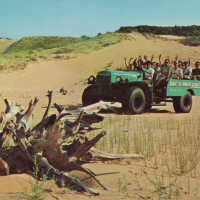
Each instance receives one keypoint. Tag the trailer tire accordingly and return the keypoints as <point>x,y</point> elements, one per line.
<point>183,104</point>
<point>137,100</point>
<point>89,96</point>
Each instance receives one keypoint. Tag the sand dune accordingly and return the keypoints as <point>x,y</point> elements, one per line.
<point>38,77</point>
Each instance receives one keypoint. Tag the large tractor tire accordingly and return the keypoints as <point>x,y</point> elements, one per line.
<point>89,95</point>
<point>183,104</point>
<point>137,100</point>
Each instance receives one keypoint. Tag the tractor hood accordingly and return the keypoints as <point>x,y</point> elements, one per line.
<point>114,76</point>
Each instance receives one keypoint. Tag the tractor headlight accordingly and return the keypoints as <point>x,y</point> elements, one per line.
<point>91,80</point>
<point>119,79</point>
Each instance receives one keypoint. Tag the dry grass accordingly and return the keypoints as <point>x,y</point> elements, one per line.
<point>171,148</point>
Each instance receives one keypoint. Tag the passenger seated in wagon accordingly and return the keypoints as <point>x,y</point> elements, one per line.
<point>162,77</point>
<point>148,71</point>
<point>187,71</point>
<point>196,71</point>
<point>176,72</point>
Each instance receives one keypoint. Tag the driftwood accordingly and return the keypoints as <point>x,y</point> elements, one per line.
<point>59,142</point>
<point>109,156</point>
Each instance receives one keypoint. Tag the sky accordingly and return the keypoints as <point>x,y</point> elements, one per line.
<point>19,18</point>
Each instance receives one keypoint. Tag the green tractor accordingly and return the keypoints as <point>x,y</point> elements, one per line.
<point>138,95</point>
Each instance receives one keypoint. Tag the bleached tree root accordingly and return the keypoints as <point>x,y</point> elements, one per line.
<point>108,156</point>
<point>46,140</point>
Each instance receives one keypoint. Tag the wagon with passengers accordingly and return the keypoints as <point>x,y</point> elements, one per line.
<point>136,94</point>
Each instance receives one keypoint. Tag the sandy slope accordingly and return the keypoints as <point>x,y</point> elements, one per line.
<point>38,77</point>
<point>72,74</point>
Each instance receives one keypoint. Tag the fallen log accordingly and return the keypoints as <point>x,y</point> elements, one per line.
<point>97,107</point>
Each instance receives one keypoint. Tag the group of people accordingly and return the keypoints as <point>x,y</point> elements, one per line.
<point>162,71</point>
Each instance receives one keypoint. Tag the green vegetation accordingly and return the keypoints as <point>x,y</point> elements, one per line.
<point>192,33</point>
<point>163,30</point>
<point>37,189</point>
<point>191,41</point>
<point>58,45</point>
<point>29,49</point>
<point>16,54</point>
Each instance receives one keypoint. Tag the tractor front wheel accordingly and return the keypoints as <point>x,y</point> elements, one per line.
<point>89,95</point>
<point>137,100</point>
